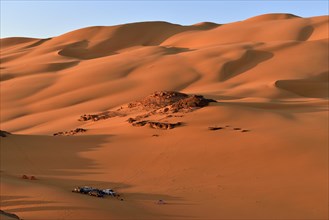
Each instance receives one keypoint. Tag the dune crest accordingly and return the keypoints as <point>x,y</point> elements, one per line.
<point>273,16</point>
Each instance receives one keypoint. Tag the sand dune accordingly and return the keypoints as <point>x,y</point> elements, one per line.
<point>268,74</point>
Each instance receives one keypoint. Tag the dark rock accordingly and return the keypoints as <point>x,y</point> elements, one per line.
<point>10,215</point>
<point>161,202</point>
<point>166,102</point>
<point>164,125</point>
<point>25,177</point>
<point>71,132</point>
<point>157,125</point>
<point>215,128</point>
<point>194,101</point>
<point>139,123</point>
<point>100,116</point>
<point>4,133</point>
<point>131,120</point>
<point>33,178</point>
<point>171,101</point>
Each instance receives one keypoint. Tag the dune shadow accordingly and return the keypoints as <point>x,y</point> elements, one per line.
<point>39,42</point>
<point>44,208</point>
<point>176,50</point>
<point>81,50</point>
<point>305,33</point>
<point>9,198</point>
<point>44,155</point>
<point>249,60</point>
<point>23,202</point>
<point>54,161</point>
<point>19,204</point>
<point>60,66</point>
<point>287,109</point>
<point>133,199</point>
<point>311,87</point>
<point>4,77</point>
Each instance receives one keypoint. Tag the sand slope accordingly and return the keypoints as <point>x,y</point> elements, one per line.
<point>268,73</point>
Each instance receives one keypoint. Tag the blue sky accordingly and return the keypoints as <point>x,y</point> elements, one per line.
<point>41,18</point>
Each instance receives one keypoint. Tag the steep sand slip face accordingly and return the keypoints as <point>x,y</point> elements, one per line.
<point>16,42</point>
<point>259,152</point>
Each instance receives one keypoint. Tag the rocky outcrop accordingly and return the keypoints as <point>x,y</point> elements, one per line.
<point>154,110</point>
<point>8,215</point>
<point>139,123</point>
<point>194,101</point>
<point>154,124</point>
<point>4,133</point>
<point>100,116</point>
<point>71,132</point>
<point>170,101</point>
<point>165,103</point>
<point>163,125</point>
<point>158,100</point>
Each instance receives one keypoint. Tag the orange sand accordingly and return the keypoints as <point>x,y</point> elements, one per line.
<point>268,73</point>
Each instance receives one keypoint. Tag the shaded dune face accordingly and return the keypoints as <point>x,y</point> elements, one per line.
<point>248,60</point>
<point>93,69</point>
<point>307,87</point>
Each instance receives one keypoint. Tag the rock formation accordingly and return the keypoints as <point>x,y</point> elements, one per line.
<point>71,132</point>
<point>154,124</point>
<point>171,101</point>
<point>166,104</point>
<point>100,116</point>
<point>4,133</point>
<point>8,215</point>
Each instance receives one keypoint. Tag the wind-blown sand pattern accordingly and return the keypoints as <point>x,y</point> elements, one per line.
<point>259,152</point>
